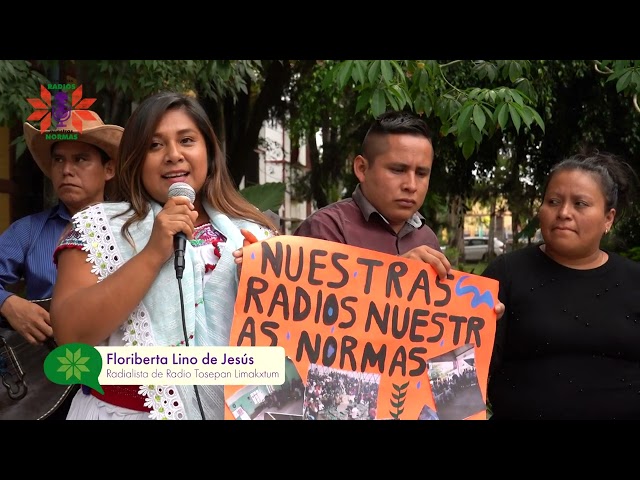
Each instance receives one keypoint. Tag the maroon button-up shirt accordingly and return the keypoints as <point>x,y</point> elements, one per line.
<point>354,221</point>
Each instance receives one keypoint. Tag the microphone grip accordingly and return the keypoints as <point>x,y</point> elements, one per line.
<point>179,245</point>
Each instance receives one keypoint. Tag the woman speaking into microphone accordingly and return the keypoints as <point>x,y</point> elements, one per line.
<point>116,282</point>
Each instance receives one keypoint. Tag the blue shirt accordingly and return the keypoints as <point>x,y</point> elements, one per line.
<point>26,251</point>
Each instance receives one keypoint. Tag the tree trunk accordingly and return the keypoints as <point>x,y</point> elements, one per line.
<point>318,194</point>
<point>491,254</point>
<point>456,222</point>
<point>243,130</point>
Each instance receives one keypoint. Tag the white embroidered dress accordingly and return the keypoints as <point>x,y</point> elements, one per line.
<point>209,298</point>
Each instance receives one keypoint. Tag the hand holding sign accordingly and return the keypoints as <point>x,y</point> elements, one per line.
<point>249,238</point>
<point>435,258</point>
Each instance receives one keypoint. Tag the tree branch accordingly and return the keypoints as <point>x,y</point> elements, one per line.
<point>597,65</point>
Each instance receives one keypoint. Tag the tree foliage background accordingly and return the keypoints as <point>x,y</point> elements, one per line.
<point>499,124</point>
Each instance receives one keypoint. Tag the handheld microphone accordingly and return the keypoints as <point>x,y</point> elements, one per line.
<point>180,189</point>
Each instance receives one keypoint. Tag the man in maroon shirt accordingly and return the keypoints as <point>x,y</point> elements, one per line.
<point>393,171</point>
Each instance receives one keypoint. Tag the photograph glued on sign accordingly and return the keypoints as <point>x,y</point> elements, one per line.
<point>454,385</point>
<point>348,316</point>
<point>270,402</point>
<point>333,394</point>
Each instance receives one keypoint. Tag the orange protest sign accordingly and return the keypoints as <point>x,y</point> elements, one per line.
<point>367,335</point>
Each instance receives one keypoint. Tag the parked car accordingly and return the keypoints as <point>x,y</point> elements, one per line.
<point>476,248</point>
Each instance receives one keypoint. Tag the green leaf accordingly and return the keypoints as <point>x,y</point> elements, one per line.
<point>502,93</point>
<point>538,119</point>
<point>503,115</point>
<point>345,73</point>
<point>517,97</point>
<point>475,134</point>
<point>427,108</point>
<point>417,104</point>
<point>474,93</point>
<point>468,147</point>
<point>623,82</point>
<point>378,103</point>
<point>464,117</point>
<point>492,72</point>
<point>359,73</point>
<point>524,86</point>
<point>479,117</point>
<point>268,196</point>
<point>398,68</point>
<point>515,117</point>
<point>405,98</point>
<point>374,72</point>
<point>392,100</point>
<point>482,72</point>
<point>490,116</point>
<point>514,71</point>
<point>387,71</point>
<point>527,116</point>
<point>424,79</point>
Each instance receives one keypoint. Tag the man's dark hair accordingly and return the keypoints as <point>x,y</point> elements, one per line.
<point>393,122</point>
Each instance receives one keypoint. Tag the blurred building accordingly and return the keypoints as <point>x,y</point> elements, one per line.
<point>280,163</point>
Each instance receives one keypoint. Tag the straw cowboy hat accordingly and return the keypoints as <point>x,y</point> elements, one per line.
<point>94,132</point>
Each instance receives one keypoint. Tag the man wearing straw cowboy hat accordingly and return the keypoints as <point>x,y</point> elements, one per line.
<point>79,165</point>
